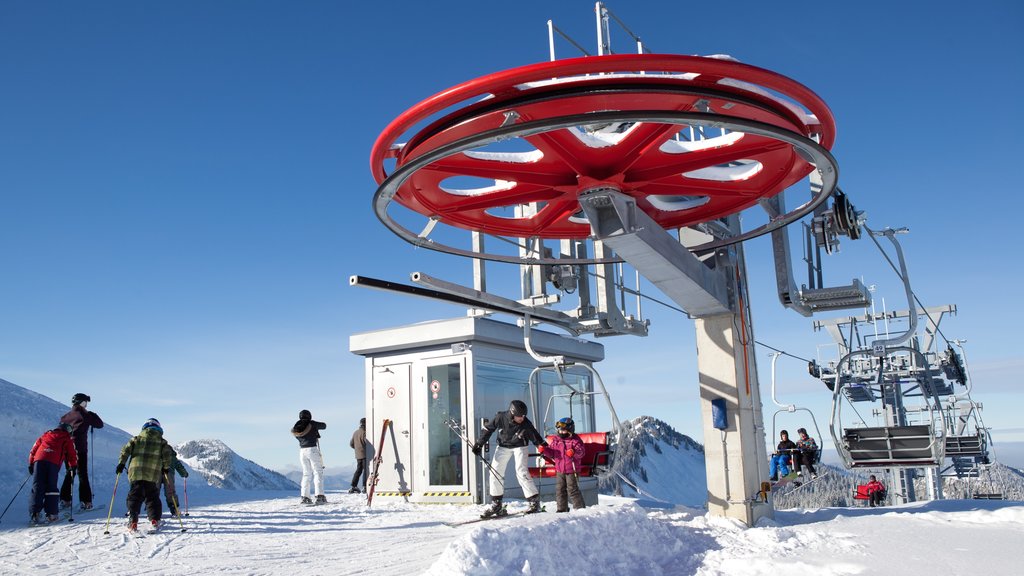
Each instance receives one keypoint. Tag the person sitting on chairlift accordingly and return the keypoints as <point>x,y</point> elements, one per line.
<point>781,459</point>
<point>876,491</point>
<point>806,454</point>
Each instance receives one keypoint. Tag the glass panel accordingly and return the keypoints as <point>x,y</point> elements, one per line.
<point>444,447</point>
<point>499,384</point>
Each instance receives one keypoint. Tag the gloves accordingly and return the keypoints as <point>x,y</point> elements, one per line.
<point>119,469</point>
<point>544,443</point>
<point>570,452</point>
<point>477,448</point>
<point>29,469</point>
<point>184,474</point>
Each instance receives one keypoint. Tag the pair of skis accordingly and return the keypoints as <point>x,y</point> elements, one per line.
<point>377,459</point>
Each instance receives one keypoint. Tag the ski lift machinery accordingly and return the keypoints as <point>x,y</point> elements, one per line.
<point>572,169</point>
<point>893,370</point>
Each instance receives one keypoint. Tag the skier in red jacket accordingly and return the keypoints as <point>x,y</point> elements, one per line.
<point>876,491</point>
<point>45,459</point>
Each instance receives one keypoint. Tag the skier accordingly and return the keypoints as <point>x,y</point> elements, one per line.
<point>81,420</point>
<point>307,432</point>
<point>150,458</point>
<point>807,450</point>
<point>781,458</point>
<point>516,433</point>
<point>567,452</point>
<point>170,495</point>
<point>876,491</point>
<point>358,443</point>
<point>44,460</point>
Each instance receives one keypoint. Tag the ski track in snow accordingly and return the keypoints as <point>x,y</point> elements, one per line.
<point>276,535</point>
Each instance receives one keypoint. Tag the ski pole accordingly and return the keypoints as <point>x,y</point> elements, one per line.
<point>177,510</point>
<point>71,509</point>
<point>185,480</point>
<point>106,529</point>
<point>15,495</point>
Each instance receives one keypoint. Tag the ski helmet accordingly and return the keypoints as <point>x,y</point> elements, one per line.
<point>517,408</point>
<point>79,398</point>
<point>153,423</point>
<point>305,415</point>
<point>566,424</point>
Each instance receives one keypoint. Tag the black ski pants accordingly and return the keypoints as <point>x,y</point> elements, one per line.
<point>360,471</point>
<point>144,491</point>
<point>84,490</point>
<point>876,498</point>
<point>567,486</point>
<point>805,459</point>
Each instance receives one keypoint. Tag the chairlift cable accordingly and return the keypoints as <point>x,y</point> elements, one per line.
<point>783,352</point>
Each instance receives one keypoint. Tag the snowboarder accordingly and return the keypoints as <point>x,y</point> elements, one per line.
<point>807,451</point>
<point>516,433</point>
<point>81,420</point>
<point>307,432</point>
<point>876,491</point>
<point>44,460</point>
<point>781,459</point>
<point>150,458</point>
<point>566,450</point>
<point>358,444</point>
<point>170,495</point>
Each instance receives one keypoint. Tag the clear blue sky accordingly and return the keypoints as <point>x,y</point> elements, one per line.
<point>185,190</point>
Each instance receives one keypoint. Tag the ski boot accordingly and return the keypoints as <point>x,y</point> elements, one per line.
<point>133,526</point>
<point>65,504</point>
<point>321,499</point>
<point>35,518</point>
<point>353,490</point>
<point>85,506</point>
<point>52,517</point>
<point>305,500</point>
<point>534,502</point>
<point>495,510</point>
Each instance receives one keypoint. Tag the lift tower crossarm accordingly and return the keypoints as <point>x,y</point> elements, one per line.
<point>617,221</point>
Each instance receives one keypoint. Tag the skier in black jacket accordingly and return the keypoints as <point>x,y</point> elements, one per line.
<point>81,420</point>
<point>307,432</point>
<point>516,432</point>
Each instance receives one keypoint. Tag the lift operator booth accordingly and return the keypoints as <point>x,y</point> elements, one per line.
<point>423,376</point>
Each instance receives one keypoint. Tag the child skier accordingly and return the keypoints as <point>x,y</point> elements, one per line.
<point>44,460</point>
<point>150,457</point>
<point>566,451</point>
<point>781,458</point>
<point>167,479</point>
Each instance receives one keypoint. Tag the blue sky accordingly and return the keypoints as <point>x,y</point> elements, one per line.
<point>185,190</point>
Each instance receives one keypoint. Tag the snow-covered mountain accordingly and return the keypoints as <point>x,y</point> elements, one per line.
<point>653,460</point>
<point>25,415</point>
<point>223,468</point>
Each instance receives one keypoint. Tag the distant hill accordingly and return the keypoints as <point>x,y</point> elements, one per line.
<point>223,468</point>
<point>651,459</point>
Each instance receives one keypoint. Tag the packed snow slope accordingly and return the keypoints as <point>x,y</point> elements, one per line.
<point>616,537</point>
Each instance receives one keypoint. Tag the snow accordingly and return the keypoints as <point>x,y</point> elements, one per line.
<point>667,531</point>
<point>250,533</point>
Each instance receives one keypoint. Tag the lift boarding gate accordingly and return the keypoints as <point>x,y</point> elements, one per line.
<point>572,168</point>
